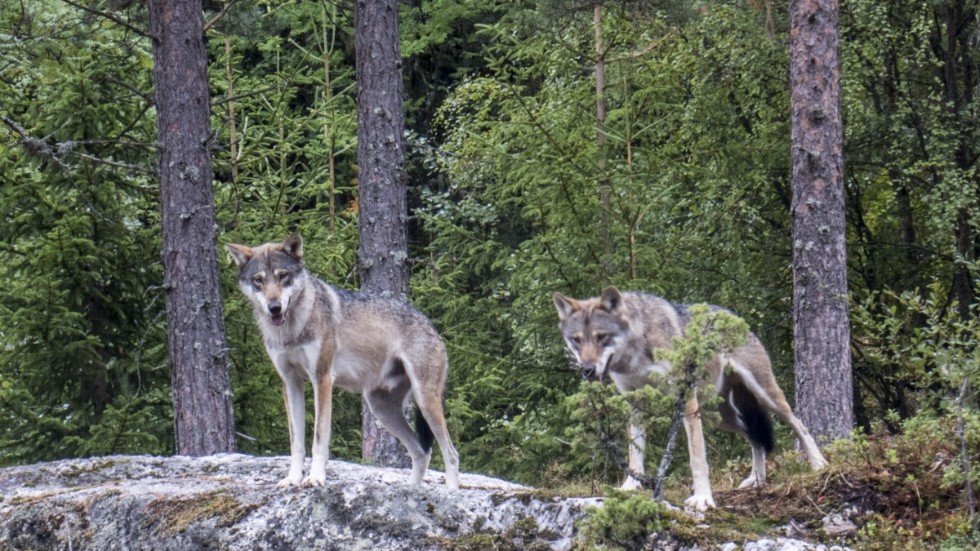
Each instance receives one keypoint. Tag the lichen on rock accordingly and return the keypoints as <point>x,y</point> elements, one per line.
<point>230,501</point>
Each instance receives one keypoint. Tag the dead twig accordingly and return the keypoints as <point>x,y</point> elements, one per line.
<point>220,14</point>
<point>687,385</point>
<point>110,16</point>
<point>58,151</point>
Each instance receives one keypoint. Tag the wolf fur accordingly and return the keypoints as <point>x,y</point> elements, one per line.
<point>614,335</point>
<point>379,346</point>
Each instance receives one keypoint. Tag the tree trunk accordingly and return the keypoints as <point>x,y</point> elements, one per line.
<point>963,281</point>
<point>960,82</point>
<point>329,130</point>
<point>602,160</point>
<point>203,419</point>
<point>822,334</point>
<point>383,212</point>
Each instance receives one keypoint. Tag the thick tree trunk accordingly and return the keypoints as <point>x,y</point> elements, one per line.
<point>822,334</point>
<point>203,419</point>
<point>383,212</point>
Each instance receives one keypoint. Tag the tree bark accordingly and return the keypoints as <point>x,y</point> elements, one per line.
<point>824,395</point>
<point>960,83</point>
<point>383,211</point>
<point>602,160</point>
<point>203,418</point>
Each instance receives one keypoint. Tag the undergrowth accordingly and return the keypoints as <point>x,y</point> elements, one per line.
<point>891,492</point>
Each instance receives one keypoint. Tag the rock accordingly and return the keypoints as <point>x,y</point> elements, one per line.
<point>230,502</point>
<point>781,544</point>
<point>841,524</point>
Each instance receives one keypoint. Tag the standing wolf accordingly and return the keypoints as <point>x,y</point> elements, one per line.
<point>379,346</point>
<point>615,335</point>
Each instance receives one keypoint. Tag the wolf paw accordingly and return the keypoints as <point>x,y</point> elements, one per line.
<point>312,480</point>
<point>631,484</point>
<point>818,463</point>
<point>289,482</point>
<point>700,502</point>
<point>452,482</point>
<point>751,482</point>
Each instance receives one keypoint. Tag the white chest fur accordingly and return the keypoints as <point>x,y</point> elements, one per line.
<point>645,373</point>
<point>291,361</point>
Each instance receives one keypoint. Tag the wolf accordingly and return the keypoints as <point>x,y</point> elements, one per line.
<point>615,335</point>
<point>376,345</point>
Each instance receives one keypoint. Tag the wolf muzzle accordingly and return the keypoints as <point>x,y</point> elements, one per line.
<point>596,370</point>
<point>275,312</point>
<point>590,371</point>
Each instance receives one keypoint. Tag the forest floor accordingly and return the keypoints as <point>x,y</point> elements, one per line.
<point>879,492</point>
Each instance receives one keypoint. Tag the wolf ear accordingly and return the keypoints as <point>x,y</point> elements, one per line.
<point>239,253</point>
<point>566,306</point>
<point>611,299</point>
<point>294,246</point>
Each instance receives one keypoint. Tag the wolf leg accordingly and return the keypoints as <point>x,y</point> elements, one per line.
<point>637,445</point>
<point>745,414</point>
<point>323,410</point>
<point>761,383</point>
<point>758,476</point>
<point>296,418</point>
<point>432,409</point>
<point>701,499</point>
<point>783,411</point>
<point>386,405</point>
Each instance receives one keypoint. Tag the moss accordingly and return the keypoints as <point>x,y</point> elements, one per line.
<point>721,526</point>
<point>176,514</point>
<point>77,469</point>
<point>526,497</point>
<point>45,496</point>
<point>524,535</point>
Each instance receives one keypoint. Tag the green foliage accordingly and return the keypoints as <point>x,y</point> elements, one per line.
<point>709,332</point>
<point>525,535</point>
<point>624,521</point>
<point>598,436</point>
<point>910,483</point>
<point>81,363</point>
<point>919,345</point>
<point>506,170</point>
<point>294,169</point>
<point>520,216</point>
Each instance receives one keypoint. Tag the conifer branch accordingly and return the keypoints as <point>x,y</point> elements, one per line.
<point>110,16</point>
<point>58,151</point>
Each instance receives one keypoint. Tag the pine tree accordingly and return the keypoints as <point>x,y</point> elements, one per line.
<point>203,419</point>
<point>820,311</point>
<point>383,214</point>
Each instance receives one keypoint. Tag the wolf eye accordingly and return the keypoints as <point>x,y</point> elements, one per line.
<point>285,278</point>
<point>602,338</point>
<point>257,282</point>
<point>577,339</point>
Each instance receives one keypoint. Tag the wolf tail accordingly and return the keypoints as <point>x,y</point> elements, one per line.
<point>423,430</point>
<point>756,420</point>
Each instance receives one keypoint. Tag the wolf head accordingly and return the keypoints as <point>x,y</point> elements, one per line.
<point>594,330</point>
<point>271,276</point>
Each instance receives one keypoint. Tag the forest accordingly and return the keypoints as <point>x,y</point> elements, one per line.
<point>514,192</point>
